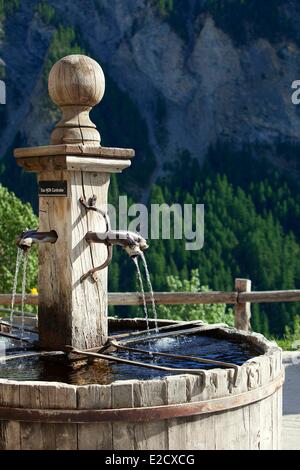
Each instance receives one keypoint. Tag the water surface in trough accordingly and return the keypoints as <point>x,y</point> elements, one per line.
<point>103,372</point>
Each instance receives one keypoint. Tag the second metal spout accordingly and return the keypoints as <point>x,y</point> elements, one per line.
<point>27,238</point>
<point>133,243</point>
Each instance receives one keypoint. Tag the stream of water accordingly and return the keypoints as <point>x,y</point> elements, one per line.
<point>20,254</point>
<point>150,290</point>
<point>24,278</point>
<point>22,257</point>
<point>140,279</point>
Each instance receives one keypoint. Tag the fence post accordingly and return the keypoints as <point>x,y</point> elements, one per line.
<point>242,311</point>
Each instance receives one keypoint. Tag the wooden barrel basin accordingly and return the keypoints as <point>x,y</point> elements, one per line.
<point>215,410</point>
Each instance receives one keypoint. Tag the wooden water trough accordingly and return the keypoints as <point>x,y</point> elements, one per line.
<point>207,411</point>
<point>177,412</point>
<point>212,410</point>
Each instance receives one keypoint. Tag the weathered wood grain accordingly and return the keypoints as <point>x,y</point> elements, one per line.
<point>45,436</point>
<point>89,299</point>
<point>10,435</point>
<point>72,149</point>
<point>180,298</point>
<point>176,428</point>
<point>123,434</point>
<point>58,436</point>
<point>55,267</point>
<point>242,311</point>
<point>71,162</point>
<point>88,164</point>
<point>173,298</point>
<point>95,436</point>
<point>71,312</point>
<point>76,84</point>
<point>31,433</point>
<point>154,434</point>
<point>270,296</point>
<point>200,430</point>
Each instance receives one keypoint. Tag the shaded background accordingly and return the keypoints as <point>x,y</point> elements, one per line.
<point>202,90</point>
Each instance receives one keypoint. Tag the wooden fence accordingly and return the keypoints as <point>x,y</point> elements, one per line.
<point>241,298</point>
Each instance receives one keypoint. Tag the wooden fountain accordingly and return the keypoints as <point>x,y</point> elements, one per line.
<point>74,166</point>
<point>236,407</point>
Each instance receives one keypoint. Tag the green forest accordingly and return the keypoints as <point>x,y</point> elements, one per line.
<point>251,229</point>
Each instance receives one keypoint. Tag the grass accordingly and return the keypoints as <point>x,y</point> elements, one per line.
<point>291,338</point>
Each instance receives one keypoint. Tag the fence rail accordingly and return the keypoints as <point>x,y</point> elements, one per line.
<point>241,299</point>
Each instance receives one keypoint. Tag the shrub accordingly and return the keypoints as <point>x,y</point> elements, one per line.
<point>209,313</point>
<point>15,217</point>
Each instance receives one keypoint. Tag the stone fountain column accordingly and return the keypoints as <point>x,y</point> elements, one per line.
<point>75,165</point>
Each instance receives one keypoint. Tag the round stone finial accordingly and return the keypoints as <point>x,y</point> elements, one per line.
<point>76,84</point>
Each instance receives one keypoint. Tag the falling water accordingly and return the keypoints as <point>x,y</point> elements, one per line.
<point>142,291</point>
<point>25,264</point>
<point>20,254</point>
<point>151,290</point>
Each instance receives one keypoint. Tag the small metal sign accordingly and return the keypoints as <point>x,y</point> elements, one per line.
<point>53,188</point>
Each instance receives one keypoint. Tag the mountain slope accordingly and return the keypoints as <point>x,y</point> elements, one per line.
<point>191,83</point>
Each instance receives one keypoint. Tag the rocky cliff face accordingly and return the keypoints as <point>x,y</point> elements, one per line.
<point>189,91</point>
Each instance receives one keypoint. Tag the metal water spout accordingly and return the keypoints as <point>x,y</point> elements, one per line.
<point>133,243</point>
<point>27,238</point>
